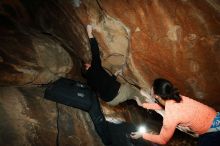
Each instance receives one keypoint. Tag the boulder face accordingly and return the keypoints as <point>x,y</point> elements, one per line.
<point>32,59</point>
<point>28,119</point>
<point>176,40</point>
<point>43,40</point>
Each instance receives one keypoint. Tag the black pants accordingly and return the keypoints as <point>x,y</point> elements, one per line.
<point>209,139</point>
<point>78,95</point>
<point>99,121</point>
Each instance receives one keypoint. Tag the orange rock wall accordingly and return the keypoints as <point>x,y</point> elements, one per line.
<point>177,40</point>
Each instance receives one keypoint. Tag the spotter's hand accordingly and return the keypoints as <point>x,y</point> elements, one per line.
<point>136,135</point>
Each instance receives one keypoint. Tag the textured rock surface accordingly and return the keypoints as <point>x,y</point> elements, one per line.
<point>42,40</point>
<point>28,59</point>
<point>177,40</point>
<point>28,119</point>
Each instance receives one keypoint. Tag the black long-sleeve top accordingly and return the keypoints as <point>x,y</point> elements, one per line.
<point>106,85</point>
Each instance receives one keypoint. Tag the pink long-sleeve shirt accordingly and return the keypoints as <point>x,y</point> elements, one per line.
<point>195,115</point>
